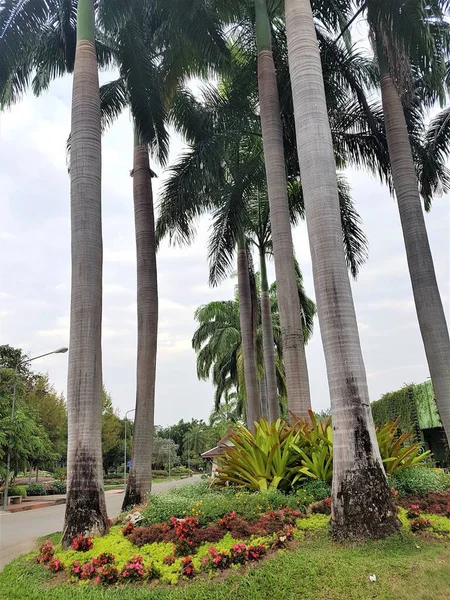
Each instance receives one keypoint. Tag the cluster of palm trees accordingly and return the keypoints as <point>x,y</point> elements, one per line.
<point>294,102</point>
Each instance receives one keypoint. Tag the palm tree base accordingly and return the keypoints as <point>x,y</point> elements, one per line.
<point>363,507</point>
<point>133,495</point>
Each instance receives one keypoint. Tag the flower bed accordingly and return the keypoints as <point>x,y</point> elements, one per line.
<point>187,546</point>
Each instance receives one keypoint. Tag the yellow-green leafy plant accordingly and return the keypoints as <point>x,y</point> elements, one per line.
<point>314,449</point>
<point>265,460</point>
<point>395,452</point>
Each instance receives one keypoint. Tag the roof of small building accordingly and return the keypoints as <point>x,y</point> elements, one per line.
<point>220,448</point>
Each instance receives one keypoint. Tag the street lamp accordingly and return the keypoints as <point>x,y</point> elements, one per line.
<point>125,452</point>
<point>8,455</point>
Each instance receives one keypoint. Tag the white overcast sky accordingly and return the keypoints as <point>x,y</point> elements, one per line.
<point>35,270</point>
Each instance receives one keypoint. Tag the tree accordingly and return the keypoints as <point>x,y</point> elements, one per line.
<point>362,501</point>
<point>85,505</point>
<point>112,434</point>
<point>405,36</point>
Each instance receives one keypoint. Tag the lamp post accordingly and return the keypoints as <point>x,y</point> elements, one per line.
<point>8,455</point>
<point>125,451</point>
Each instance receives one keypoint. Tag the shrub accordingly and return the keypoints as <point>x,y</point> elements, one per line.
<point>169,560</point>
<point>149,535</point>
<point>128,529</point>
<point>58,487</point>
<point>322,508</point>
<point>17,490</point>
<point>82,544</point>
<point>133,570</point>
<point>55,565</point>
<point>313,491</point>
<point>413,511</point>
<point>255,552</point>
<point>420,524</point>
<point>35,489</point>
<point>103,559</point>
<point>46,552</point>
<point>395,455</point>
<point>107,574</point>
<point>159,473</point>
<point>264,460</point>
<point>187,567</point>
<point>283,536</point>
<point>216,559</point>
<point>60,473</point>
<point>153,572</point>
<point>419,480</point>
<point>436,503</point>
<point>83,571</point>
<point>237,554</point>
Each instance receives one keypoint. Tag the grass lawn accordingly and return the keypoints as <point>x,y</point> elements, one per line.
<point>160,480</point>
<point>407,567</point>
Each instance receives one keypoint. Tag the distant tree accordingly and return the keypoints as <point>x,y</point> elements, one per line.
<point>112,434</point>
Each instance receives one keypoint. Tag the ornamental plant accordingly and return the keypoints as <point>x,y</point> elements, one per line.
<point>103,559</point>
<point>396,455</point>
<point>413,511</point>
<point>323,507</point>
<point>153,572</point>
<point>133,570</point>
<point>420,524</point>
<point>128,529</point>
<point>46,552</point>
<point>187,567</point>
<point>255,552</point>
<point>83,571</point>
<point>55,565</point>
<point>216,559</point>
<point>237,554</point>
<point>169,560</point>
<point>82,544</point>
<point>283,536</point>
<point>184,531</point>
<point>107,574</point>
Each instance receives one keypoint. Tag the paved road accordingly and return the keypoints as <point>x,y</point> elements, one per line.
<point>18,531</point>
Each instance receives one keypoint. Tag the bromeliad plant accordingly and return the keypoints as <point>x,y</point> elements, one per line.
<point>279,455</point>
<point>395,453</point>
<point>263,461</point>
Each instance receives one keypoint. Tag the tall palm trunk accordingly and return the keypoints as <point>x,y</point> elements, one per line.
<point>362,502</point>
<point>430,312</point>
<point>85,507</point>
<point>297,381</point>
<point>252,410</point>
<point>139,480</point>
<point>268,342</point>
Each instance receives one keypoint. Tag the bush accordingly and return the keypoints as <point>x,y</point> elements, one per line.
<point>56,487</point>
<point>419,480</point>
<point>321,508</point>
<point>60,473</point>
<point>36,489</point>
<point>82,544</point>
<point>436,503</point>
<point>420,524</point>
<point>313,491</point>
<point>159,473</point>
<point>17,490</point>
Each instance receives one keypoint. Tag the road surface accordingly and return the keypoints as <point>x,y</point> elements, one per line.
<point>19,531</point>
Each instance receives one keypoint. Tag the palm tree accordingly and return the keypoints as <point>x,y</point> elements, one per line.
<point>401,37</point>
<point>196,438</point>
<point>85,505</point>
<point>272,134</point>
<point>359,480</point>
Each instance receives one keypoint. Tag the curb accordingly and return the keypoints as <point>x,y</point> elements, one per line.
<point>29,506</point>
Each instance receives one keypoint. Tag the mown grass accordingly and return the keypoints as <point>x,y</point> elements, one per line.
<point>406,567</point>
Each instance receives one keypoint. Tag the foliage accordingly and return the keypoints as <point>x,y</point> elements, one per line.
<point>36,489</point>
<point>265,460</point>
<point>107,574</point>
<point>419,480</point>
<point>420,524</point>
<point>17,490</point>
<point>46,552</point>
<point>82,543</point>
<point>396,455</point>
<point>280,455</point>
<point>56,487</point>
<point>436,503</point>
<point>313,490</point>
<point>133,570</point>
<point>187,567</point>
<point>402,405</point>
<point>323,507</point>
<point>54,566</point>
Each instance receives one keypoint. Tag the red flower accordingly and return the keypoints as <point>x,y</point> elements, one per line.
<point>55,565</point>
<point>187,567</point>
<point>128,529</point>
<point>82,544</point>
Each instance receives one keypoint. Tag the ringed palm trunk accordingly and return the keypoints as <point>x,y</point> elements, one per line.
<point>252,410</point>
<point>430,312</point>
<point>362,503</point>
<point>297,381</point>
<point>139,479</point>
<point>268,343</point>
<point>85,506</point>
